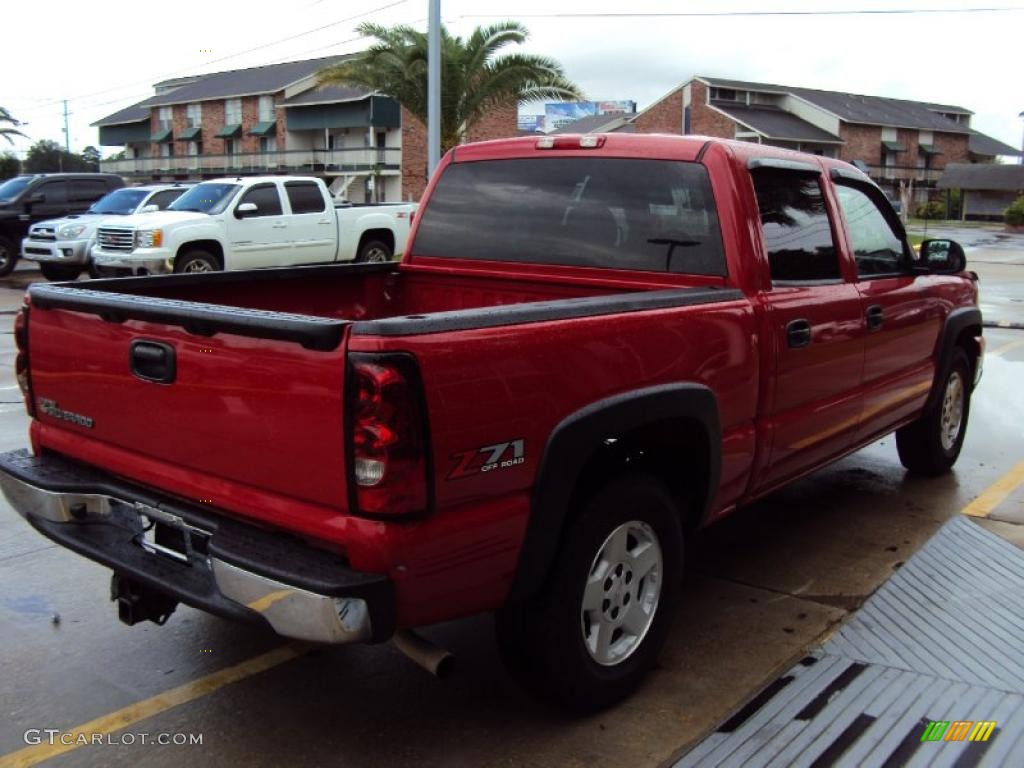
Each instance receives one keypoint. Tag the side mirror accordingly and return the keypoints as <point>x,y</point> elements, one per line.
<point>942,257</point>
<point>245,209</point>
<point>38,197</point>
<point>149,208</point>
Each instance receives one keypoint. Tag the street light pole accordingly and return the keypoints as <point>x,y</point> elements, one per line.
<point>433,86</point>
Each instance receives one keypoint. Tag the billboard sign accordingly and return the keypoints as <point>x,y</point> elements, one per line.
<point>560,114</point>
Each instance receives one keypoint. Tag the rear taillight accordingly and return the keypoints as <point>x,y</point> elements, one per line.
<point>389,461</point>
<point>21,370</point>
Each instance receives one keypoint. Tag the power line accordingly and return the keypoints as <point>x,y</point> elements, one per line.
<point>721,14</point>
<point>235,55</point>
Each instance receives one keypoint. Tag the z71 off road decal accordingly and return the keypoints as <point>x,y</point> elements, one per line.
<point>487,459</point>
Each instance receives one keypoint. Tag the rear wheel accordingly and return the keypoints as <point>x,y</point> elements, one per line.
<point>594,630</point>
<point>8,256</point>
<point>931,445</point>
<point>58,272</point>
<point>197,261</point>
<point>374,251</point>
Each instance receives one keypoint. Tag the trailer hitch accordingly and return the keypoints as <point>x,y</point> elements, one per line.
<point>136,602</point>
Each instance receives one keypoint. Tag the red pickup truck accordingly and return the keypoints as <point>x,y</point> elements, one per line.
<point>593,346</point>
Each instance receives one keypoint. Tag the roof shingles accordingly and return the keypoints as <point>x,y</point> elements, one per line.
<point>222,85</point>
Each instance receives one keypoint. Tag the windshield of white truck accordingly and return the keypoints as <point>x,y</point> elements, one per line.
<point>11,188</point>
<point>617,213</point>
<point>120,203</point>
<point>208,197</point>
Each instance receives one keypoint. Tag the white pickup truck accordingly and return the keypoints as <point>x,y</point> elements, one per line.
<point>61,246</point>
<point>244,223</point>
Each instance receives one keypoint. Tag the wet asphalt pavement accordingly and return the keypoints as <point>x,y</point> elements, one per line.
<point>765,585</point>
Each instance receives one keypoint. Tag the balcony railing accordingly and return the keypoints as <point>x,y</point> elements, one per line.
<point>356,160</point>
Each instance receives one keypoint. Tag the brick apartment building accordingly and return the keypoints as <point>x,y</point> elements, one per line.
<point>889,139</point>
<point>276,119</point>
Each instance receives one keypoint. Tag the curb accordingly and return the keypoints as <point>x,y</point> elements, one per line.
<point>1003,324</point>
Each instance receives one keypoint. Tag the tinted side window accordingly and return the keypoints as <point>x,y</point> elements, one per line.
<point>55,191</point>
<point>162,199</point>
<point>876,247</point>
<point>797,233</point>
<point>305,197</point>
<point>612,213</point>
<point>88,190</point>
<point>266,198</point>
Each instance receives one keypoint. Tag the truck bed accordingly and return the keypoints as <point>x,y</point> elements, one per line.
<point>253,421</point>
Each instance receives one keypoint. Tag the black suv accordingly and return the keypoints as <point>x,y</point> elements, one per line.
<point>25,200</point>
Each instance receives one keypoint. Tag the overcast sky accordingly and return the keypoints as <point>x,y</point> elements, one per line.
<point>107,57</point>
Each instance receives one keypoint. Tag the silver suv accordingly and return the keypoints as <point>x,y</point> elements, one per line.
<point>61,246</point>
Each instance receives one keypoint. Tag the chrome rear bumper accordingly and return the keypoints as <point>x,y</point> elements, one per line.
<point>214,564</point>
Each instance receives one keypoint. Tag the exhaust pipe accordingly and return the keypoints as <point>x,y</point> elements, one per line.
<point>436,660</point>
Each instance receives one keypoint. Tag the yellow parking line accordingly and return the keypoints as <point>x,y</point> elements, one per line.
<point>992,496</point>
<point>141,710</point>
<point>1004,348</point>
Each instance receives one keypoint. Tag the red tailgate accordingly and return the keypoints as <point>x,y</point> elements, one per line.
<point>246,424</point>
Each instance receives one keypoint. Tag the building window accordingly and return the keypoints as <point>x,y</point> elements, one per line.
<point>889,134</point>
<point>194,115</point>
<point>167,149</point>
<point>195,147</point>
<point>266,112</point>
<point>230,147</point>
<point>686,119</point>
<point>164,118</point>
<point>268,144</point>
<point>232,111</point>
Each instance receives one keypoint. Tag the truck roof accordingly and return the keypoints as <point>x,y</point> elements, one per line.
<point>634,145</point>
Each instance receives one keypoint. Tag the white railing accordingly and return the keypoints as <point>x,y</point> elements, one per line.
<point>310,160</point>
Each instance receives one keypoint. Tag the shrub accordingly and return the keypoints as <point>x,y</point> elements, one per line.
<point>932,210</point>
<point>1015,213</point>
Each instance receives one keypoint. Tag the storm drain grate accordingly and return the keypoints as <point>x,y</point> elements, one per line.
<point>942,641</point>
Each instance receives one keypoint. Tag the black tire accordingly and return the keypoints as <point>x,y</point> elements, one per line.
<point>374,252</point>
<point>59,272</point>
<point>542,642</point>
<point>922,446</point>
<point>8,256</point>
<point>197,261</point>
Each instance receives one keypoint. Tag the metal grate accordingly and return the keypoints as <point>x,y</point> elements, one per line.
<point>942,640</point>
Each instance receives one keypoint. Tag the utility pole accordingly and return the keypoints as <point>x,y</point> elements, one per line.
<point>433,86</point>
<point>67,133</point>
<point>1021,158</point>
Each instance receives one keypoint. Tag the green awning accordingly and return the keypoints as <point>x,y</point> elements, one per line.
<point>929,149</point>
<point>161,136</point>
<point>230,131</point>
<point>264,129</point>
<point>190,134</point>
<point>893,146</point>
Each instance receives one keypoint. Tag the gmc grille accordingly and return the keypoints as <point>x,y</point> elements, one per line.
<point>115,239</point>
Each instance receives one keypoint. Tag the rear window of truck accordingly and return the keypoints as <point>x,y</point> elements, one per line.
<point>617,213</point>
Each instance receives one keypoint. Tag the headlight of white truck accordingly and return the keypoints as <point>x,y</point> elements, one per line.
<point>70,231</point>
<point>149,238</point>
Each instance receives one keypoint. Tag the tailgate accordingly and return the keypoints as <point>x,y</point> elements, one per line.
<point>248,417</point>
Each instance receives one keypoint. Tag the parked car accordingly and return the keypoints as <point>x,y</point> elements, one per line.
<point>593,347</point>
<point>27,199</point>
<point>260,221</point>
<point>61,246</point>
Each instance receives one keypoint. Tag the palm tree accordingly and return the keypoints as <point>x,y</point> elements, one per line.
<point>10,130</point>
<point>474,79</point>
